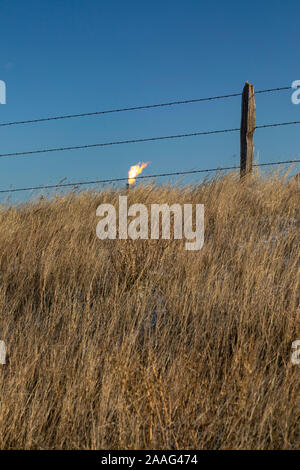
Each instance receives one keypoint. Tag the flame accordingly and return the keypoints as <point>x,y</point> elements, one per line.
<point>135,170</point>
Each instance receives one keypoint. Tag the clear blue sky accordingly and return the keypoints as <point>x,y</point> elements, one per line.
<point>74,56</point>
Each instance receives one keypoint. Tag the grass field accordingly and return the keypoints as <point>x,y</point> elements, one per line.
<point>122,344</point>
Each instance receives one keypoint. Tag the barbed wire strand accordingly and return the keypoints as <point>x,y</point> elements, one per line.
<point>264,126</point>
<point>113,180</point>
<point>119,142</point>
<point>134,141</point>
<point>137,108</point>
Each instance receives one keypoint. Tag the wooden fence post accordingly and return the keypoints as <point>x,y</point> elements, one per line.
<point>247,129</point>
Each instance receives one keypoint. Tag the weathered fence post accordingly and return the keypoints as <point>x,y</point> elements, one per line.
<point>247,129</point>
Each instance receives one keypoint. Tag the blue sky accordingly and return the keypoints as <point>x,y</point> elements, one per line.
<point>75,56</point>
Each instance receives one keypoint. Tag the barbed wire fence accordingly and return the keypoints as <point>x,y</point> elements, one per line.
<point>158,175</point>
<point>247,129</point>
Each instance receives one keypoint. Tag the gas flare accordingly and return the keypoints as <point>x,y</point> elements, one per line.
<point>135,170</point>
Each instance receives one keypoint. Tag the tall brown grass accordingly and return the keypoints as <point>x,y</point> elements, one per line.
<point>142,344</point>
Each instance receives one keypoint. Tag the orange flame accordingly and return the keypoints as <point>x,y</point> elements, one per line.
<point>135,170</point>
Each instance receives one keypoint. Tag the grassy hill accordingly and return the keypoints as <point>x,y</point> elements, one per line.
<point>123,344</point>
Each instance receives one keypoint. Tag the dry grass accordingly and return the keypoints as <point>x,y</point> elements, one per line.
<point>141,344</point>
